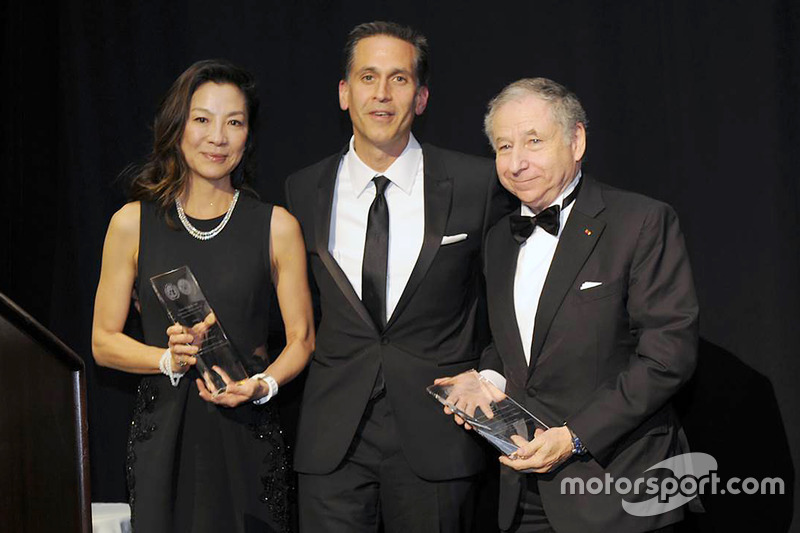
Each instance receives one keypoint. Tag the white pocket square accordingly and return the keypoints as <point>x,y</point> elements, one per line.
<point>450,239</point>
<point>590,284</point>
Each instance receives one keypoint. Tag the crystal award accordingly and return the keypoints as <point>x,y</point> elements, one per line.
<point>184,302</point>
<point>495,416</point>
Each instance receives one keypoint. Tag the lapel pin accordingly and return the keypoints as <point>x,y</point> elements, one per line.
<point>587,231</point>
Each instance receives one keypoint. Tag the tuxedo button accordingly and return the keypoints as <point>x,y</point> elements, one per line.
<point>384,340</point>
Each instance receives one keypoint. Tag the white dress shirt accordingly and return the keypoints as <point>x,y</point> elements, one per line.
<point>533,263</point>
<point>352,198</point>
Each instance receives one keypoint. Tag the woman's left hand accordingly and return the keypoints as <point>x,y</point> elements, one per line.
<point>236,392</point>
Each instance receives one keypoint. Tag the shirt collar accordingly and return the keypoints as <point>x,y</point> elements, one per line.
<point>528,212</point>
<point>403,172</point>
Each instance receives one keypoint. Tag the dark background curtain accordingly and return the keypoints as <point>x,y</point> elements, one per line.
<point>693,103</point>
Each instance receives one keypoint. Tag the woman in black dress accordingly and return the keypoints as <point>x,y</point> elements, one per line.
<point>219,464</point>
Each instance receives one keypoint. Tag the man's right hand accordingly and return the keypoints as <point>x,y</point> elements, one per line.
<point>470,391</point>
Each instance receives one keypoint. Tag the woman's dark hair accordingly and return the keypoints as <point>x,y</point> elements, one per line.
<point>162,178</point>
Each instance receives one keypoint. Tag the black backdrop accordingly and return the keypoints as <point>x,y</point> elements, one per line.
<point>694,103</point>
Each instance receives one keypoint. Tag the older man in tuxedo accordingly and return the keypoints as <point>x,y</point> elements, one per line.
<point>393,231</point>
<point>593,316</point>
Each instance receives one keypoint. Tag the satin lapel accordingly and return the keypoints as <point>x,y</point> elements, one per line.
<point>506,266</point>
<point>577,241</point>
<point>322,228</point>
<point>438,195</point>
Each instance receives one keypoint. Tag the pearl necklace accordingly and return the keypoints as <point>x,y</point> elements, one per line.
<point>205,235</point>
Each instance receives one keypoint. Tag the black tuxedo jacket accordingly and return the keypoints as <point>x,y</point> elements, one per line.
<point>431,333</point>
<point>605,360</point>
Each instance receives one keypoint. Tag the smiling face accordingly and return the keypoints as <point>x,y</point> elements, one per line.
<point>535,161</point>
<point>381,94</point>
<point>215,135</point>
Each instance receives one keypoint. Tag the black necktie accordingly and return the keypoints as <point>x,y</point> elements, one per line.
<point>548,219</point>
<point>376,255</point>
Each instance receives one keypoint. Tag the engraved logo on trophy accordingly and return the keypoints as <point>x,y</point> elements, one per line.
<point>184,286</point>
<point>185,303</point>
<point>171,291</point>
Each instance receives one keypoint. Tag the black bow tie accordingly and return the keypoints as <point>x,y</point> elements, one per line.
<point>548,219</point>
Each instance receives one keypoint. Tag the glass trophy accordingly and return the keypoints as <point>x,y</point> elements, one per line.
<point>495,416</point>
<point>184,302</point>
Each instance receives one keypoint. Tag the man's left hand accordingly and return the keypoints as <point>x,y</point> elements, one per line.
<point>544,453</point>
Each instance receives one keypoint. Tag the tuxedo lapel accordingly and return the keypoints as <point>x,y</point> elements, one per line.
<point>578,239</point>
<point>438,194</point>
<point>327,184</point>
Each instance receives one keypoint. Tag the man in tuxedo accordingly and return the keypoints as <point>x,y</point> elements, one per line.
<point>593,316</point>
<point>393,231</point>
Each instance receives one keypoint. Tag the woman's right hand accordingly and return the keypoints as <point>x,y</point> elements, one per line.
<point>181,348</point>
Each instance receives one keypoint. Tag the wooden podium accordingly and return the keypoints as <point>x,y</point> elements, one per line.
<point>44,447</point>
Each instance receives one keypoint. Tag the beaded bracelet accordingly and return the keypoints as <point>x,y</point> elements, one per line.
<point>165,365</point>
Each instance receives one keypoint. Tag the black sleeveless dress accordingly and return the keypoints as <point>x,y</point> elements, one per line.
<point>193,466</point>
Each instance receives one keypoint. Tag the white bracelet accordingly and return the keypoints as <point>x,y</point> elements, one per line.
<point>165,365</point>
<point>271,383</point>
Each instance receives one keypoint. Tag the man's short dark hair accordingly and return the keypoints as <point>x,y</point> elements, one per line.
<point>392,29</point>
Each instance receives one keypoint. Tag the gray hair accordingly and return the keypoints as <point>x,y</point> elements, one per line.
<point>565,106</point>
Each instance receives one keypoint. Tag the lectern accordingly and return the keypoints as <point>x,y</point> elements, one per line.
<point>44,447</point>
